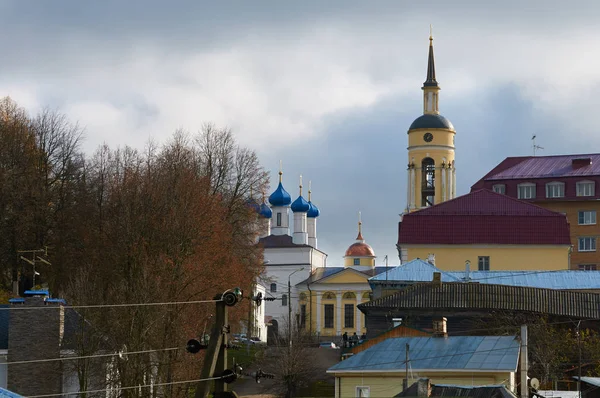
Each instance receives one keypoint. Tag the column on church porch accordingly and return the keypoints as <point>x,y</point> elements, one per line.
<point>358,319</point>
<point>338,313</point>
<point>318,313</point>
<point>443,181</point>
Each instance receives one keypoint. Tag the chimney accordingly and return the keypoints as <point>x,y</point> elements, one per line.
<point>431,258</point>
<point>437,279</point>
<point>439,327</point>
<point>423,388</point>
<point>581,162</point>
<point>35,333</point>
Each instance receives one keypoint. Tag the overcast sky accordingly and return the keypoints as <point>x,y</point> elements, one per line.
<point>328,87</point>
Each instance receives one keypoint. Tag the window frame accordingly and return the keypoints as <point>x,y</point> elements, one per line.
<point>356,261</point>
<point>332,320</point>
<point>362,388</point>
<point>501,191</point>
<point>349,316</point>
<point>284,300</point>
<point>531,185</point>
<point>483,263</point>
<point>303,316</point>
<point>273,288</point>
<point>555,185</point>
<point>581,216</point>
<point>581,239</point>
<point>579,188</point>
<point>587,267</point>
<point>279,219</point>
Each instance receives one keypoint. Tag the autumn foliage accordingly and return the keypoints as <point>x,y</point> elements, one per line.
<point>163,224</point>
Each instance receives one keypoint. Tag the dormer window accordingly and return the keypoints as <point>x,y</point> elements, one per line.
<point>500,188</point>
<point>555,190</point>
<point>586,188</point>
<point>526,191</point>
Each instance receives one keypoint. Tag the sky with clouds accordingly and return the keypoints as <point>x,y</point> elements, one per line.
<point>329,88</point>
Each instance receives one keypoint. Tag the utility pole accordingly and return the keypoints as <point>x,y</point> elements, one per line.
<point>215,361</point>
<point>579,344</point>
<point>524,363</point>
<point>32,262</point>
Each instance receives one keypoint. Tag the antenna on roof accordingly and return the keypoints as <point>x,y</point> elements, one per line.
<point>535,147</point>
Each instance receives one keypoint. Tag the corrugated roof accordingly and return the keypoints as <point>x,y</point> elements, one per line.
<point>544,167</point>
<point>477,353</point>
<point>458,296</point>
<point>444,390</point>
<point>421,271</point>
<point>594,381</point>
<point>484,217</point>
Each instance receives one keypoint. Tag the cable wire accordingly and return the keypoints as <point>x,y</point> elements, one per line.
<point>125,388</point>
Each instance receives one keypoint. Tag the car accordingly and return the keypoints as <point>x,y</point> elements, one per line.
<point>328,344</point>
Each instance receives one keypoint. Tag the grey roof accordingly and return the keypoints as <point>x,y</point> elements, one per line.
<point>476,353</point>
<point>446,390</point>
<point>324,272</point>
<point>429,121</point>
<point>594,381</point>
<point>422,271</point>
<point>458,296</point>
<point>274,241</point>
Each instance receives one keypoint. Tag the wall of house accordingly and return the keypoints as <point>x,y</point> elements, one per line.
<point>587,260</point>
<point>390,385</point>
<point>502,257</point>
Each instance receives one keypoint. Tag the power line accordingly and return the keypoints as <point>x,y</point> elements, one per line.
<point>126,388</point>
<point>75,307</point>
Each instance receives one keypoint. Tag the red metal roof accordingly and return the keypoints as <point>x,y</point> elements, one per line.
<point>544,167</point>
<point>484,217</point>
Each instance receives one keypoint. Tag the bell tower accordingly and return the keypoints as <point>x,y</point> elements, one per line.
<point>431,172</point>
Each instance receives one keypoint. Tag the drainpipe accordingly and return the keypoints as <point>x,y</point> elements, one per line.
<point>310,304</point>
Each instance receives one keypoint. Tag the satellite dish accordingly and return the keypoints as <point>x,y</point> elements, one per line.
<point>535,383</point>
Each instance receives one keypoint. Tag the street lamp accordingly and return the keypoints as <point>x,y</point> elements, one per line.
<point>289,303</point>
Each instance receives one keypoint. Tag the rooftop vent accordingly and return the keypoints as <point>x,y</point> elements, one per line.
<point>581,162</point>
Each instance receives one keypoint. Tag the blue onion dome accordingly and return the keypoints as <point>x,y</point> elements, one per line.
<point>313,211</point>
<point>265,211</point>
<point>300,205</point>
<point>280,197</point>
<point>253,205</point>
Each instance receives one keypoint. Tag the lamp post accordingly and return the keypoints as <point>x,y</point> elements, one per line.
<point>289,303</point>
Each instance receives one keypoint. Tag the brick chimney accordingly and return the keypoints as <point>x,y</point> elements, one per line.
<point>439,327</point>
<point>35,333</point>
<point>437,279</point>
<point>423,388</point>
<point>581,162</point>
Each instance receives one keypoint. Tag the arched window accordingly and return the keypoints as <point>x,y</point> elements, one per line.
<point>273,287</point>
<point>302,297</point>
<point>349,295</point>
<point>328,296</point>
<point>366,296</point>
<point>284,300</point>
<point>427,182</point>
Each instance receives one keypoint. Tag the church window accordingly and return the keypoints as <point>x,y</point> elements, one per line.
<point>428,182</point>
<point>328,316</point>
<point>483,263</point>
<point>328,296</point>
<point>273,287</point>
<point>526,191</point>
<point>586,188</point>
<point>284,300</point>
<point>357,261</point>
<point>555,190</point>
<point>500,188</point>
<point>279,219</point>
<point>587,244</point>
<point>303,316</point>
<point>348,315</point>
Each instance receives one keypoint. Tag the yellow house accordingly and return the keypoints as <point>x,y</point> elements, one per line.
<point>379,371</point>
<point>493,232</point>
<point>329,298</point>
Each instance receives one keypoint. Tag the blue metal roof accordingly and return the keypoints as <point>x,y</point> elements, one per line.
<point>422,271</point>
<point>36,293</point>
<point>477,353</point>
<point>9,394</point>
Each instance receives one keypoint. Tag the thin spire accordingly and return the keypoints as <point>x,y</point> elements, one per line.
<point>280,171</point>
<point>300,184</point>
<point>309,190</point>
<point>431,81</point>
<point>359,237</point>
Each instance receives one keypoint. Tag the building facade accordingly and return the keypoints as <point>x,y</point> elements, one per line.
<point>431,173</point>
<point>490,231</point>
<point>565,184</point>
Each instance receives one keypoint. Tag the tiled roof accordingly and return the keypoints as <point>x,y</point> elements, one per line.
<point>474,353</point>
<point>458,296</point>
<point>484,217</point>
<point>421,271</point>
<point>544,167</point>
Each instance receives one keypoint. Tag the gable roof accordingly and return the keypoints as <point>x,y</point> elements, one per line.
<point>474,353</point>
<point>484,217</point>
<point>527,167</point>
<point>421,271</point>
<point>322,273</point>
